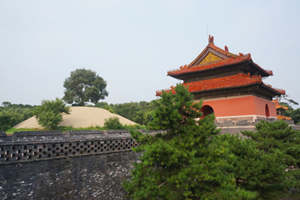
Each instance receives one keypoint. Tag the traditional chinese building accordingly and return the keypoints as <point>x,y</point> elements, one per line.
<point>280,111</point>
<point>230,85</point>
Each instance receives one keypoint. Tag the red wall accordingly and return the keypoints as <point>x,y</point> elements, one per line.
<point>245,105</point>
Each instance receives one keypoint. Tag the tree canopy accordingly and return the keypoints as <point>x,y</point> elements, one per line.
<point>190,160</point>
<point>139,112</point>
<point>49,114</point>
<point>291,112</point>
<point>84,86</point>
<point>279,137</point>
<point>12,114</point>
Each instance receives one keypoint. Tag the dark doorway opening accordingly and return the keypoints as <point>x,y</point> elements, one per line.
<point>207,110</point>
<point>267,111</point>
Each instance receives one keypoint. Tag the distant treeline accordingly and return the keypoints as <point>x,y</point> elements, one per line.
<point>290,112</point>
<point>139,112</point>
<point>12,114</point>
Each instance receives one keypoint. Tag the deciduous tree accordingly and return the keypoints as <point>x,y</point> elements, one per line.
<point>49,114</point>
<point>84,86</point>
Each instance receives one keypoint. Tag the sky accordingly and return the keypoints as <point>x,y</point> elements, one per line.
<point>132,44</point>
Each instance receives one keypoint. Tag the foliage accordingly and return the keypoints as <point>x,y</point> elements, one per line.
<point>105,106</point>
<point>190,161</point>
<point>278,136</point>
<point>287,100</point>
<point>135,127</point>
<point>49,113</point>
<point>295,115</point>
<point>11,131</point>
<point>113,123</point>
<point>12,114</point>
<point>7,120</point>
<point>84,86</point>
<point>291,112</point>
<point>139,112</point>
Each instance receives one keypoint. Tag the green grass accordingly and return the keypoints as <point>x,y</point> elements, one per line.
<point>11,131</point>
<point>61,128</point>
<point>69,128</point>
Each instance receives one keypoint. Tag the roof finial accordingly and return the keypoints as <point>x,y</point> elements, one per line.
<point>210,39</point>
<point>226,48</point>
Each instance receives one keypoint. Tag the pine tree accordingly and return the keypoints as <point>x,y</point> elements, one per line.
<point>279,137</point>
<point>191,161</point>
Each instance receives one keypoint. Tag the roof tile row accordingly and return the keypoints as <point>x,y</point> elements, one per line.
<point>236,80</point>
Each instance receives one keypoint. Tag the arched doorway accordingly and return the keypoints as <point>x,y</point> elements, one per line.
<point>207,110</point>
<point>267,111</point>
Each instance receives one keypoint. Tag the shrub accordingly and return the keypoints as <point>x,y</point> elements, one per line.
<point>113,123</point>
<point>49,114</point>
<point>6,121</point>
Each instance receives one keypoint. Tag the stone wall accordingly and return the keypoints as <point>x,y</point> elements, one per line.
<point>248,121</point>
<point>235,125</point>
<point>72,165</point>
<point>86,177</point>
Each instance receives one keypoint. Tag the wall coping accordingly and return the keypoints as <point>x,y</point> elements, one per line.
<point>37,145</point>
<point>45,145</point>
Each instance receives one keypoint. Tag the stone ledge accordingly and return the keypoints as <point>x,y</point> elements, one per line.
<point>237,129</point>
<point>2,134</point>
<point>296,127</point>
<point>240,121</point>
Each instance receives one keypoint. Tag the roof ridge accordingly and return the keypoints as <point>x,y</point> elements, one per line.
<point>225,52</point>
<point>222,51</point>
<point>227,61</point>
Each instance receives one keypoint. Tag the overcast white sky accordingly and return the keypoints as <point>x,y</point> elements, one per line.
<point>132,44</point>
